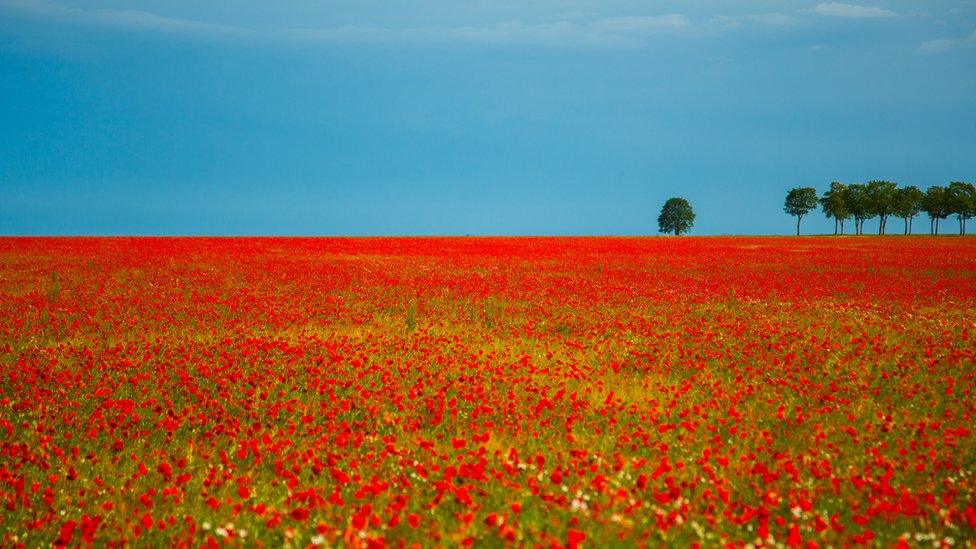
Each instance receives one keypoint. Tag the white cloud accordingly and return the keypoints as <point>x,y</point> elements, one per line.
<point>762,19</point>
<point>853,11</point>
<point>151,21</point>
<point>129,19</point>
<point>643,23</point>
<point>611,31</point>
<point>617,31</point>
<point>626,31</point>
<point>947,44</point>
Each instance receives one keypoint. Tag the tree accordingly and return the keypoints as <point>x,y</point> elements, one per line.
<point>936,204</point>
<point>908,204</point>
<point>799,202</point>
<point>676,216</point>
<point>962,202</point>
<point>881,197</point>
<point>834,205</point>
<point>859,205</point>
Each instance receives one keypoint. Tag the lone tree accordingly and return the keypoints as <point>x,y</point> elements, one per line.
<point>881,197</point>
<point>676,216</point>
<point>908,204</point>
<point>859,205</point>
<point>834,205</point>
<point>962,202</point>
<point>936,204</point>
<point>799,202</point>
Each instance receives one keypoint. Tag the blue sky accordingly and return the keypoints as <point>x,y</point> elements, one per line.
<point>486,117</point>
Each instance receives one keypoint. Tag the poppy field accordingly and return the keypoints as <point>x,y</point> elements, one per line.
<point>574,392</point>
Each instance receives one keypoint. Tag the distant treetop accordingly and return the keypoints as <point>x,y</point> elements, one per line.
<point>882,199</point>
<point>799,202</point>
<point>676,216</point>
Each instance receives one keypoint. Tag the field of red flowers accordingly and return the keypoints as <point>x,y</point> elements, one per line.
<point>510,391</point>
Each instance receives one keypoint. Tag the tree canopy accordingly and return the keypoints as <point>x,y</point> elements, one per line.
<point>676,216</point>
<point>882,199</point>
<point>936,204</point>
<point>799,202</point>
<point>961,198</point>
<point>859,204</point>
<point>834,205</point>
<point>907,204</point>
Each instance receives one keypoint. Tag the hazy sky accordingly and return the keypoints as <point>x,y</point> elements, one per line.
<point>497,116</point>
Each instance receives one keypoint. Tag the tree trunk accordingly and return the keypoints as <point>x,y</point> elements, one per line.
<point>906,226</point>
<point>798,218</point>
<point>842,227</point>
<point>936,226</point>
<point>835,226</point>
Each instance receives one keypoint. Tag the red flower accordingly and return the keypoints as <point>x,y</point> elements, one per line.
<point>794,539</point>
<point>491,519</point>
<point>66,533</point>
<point>970,514</point>
<point>165,470</point>
<point>336,498</point>
<point>147,521</point>
<point>556,477</point>
<point>574,538</point>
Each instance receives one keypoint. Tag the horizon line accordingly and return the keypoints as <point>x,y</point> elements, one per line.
<point>480,235</point>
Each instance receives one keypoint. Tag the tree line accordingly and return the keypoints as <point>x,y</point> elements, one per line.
<point>884,199</point>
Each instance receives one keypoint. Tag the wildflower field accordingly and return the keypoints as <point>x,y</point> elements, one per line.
<point>489,391</point>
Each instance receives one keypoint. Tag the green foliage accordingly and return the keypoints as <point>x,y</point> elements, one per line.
<point>961,201</point>
<point>834,202</point>
<point>411,319</point>
<point>54,289</point>
<point>676,216</point>
<point>492,313</point>
<point>859,204</point>
<point>881,200</point>
<point>936,204</point>
<point>908,202</point>
<point>801,201</point>
<point>881,197</point>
